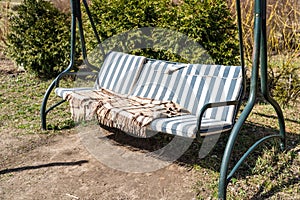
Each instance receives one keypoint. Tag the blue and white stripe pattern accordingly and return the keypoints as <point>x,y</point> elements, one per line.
<point>119,72</point>
<point>186,126</point>
<point>211,83</point>
<point>62,92</point>
<point>159,80</point>
<point>191,86</point>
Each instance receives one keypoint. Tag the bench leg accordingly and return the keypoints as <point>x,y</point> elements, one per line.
<point>225,177</point>
<point>264,84</point>
<point>280,117</point>
<point>223,181</point>
<point>260,57</point>
<point>43,111</point>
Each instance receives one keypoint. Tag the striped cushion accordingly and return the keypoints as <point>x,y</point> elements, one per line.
<point>62,92</point>
<point>159,80</point>
<point>192,86</point>
<point>119,72</point>
<point>186,126</point>
<point>211,83</point>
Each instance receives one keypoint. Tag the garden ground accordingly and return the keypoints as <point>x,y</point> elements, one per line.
<point>54,164</point>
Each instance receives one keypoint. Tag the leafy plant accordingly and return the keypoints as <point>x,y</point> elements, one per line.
<point>39,38</point>
<point>283,25</point>
<point>208,23</point>
<point>285,79</point>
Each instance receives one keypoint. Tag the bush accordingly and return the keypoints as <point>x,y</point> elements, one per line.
<point>207,22</point>
<point>284,76</point>
<point>284,50</point>
<point>211,25</point>
<point>283,31</point>
<point>4,13</point>
<point>39,38</point>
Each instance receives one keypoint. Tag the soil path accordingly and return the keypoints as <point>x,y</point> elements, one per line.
<point>60,167</point>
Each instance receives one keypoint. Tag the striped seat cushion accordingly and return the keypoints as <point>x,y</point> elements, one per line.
<point>62,92</point>
<point>192,86</point>
<point>119,72</point>
<point>186,126</point>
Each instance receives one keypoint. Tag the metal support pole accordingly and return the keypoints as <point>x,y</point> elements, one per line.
<point>223,181</point>
<point>259,58</point>
<point>43,111</point>
<point>264,78</point>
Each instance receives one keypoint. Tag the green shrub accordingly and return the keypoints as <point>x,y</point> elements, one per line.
<point>284,50</point>
<point>207,22</point>
<point>39,38</point>
<point>283,25</point>
<point>284,76</point>
<point>210,23</point>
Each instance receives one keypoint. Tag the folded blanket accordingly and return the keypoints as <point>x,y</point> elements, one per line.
<point>130,114</point>
<point>83,103</point>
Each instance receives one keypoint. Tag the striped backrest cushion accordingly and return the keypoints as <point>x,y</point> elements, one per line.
<point>119,72</point>
<point>158,80</point>
<point>212,83</point>
<point>191,86</point>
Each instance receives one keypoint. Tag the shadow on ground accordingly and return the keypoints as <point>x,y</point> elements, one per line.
<point>54,164</point>
<point>250,133</point>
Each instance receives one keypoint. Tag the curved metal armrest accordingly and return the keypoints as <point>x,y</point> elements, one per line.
<point>63,74</point>
<point>212,105</point>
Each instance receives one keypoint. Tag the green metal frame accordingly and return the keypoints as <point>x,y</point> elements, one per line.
<point>76,18</point>
<point>259,61</point>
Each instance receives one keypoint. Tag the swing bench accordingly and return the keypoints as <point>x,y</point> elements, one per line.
<point>210,94</point>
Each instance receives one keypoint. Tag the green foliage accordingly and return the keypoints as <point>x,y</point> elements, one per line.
<point>284,46</point>
<point>283,25</point>
<point>39,38</point>
<point>208,23</point>
<point>285,79</point>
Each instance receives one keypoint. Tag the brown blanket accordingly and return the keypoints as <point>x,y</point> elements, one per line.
<point>130,114</point>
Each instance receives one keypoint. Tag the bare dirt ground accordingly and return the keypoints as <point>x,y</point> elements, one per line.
<point>59,167</point>
<point>58,164</point>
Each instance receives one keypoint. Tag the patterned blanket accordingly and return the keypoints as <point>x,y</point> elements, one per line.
<point>130,114</point>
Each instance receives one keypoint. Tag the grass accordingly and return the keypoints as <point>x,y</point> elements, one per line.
<point>267,173</point>
<point>20,100</point>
